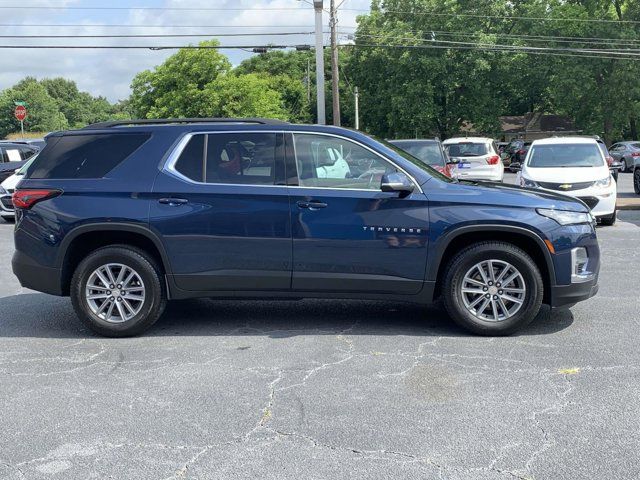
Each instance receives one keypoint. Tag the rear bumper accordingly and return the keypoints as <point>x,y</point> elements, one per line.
<point>568,295</point>
<point>36,277</point>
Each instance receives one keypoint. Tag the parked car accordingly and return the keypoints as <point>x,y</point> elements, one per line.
<point>13,156</point>
<point>575,166</point>
<point>7,212</point>
<point>37,143</point>
<point>517,152</point>
<point>429,151</point>
<point>614,165</point>
<point>474,158</point>
<point>123,216</point>
<point>627,153</point>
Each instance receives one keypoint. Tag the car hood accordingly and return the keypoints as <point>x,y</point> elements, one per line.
<point>11,182</point>
<point>500,195</point>
<point>566,175</point>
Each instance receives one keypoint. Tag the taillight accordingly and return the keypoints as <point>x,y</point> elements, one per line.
<point>635,154</point>
<point>493,160</point>
<point>27,198</point>
<point>521,152</point>
<point>609,161</point>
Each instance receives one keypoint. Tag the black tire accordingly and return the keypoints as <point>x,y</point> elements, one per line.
<point>624,167</point>
<point>609,220</point>
<point>636,181</point>
<point>155,290</point>
<point>470,256</point>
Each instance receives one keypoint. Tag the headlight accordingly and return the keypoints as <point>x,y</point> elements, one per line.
<point>525,182</point>
<point>566,218</point>
<point>604,183</point>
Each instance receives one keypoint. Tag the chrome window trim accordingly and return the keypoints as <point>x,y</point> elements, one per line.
<point>172,159</point>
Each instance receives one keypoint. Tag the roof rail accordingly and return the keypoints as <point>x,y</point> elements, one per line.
<point>165,121</point>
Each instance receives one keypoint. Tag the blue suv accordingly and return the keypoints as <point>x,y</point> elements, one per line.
<point>123,216</point>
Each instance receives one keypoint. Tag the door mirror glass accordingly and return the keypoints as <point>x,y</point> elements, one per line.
<point>396,182</point>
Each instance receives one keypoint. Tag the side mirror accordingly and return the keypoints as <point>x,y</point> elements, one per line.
<point>453,161</point>
<point>515,167</point>
<point>396,182</point>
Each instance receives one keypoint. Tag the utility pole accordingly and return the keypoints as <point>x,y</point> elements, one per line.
<point>317,5</point>
<point>356,95</point>
<point>335,76</point>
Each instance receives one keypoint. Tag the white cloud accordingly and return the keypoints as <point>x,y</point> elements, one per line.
<point>109,72</point>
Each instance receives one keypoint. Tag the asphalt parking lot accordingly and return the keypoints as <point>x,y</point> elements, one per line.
<point>324,389</point>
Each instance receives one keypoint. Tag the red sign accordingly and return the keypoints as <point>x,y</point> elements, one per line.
<point>20,113</point>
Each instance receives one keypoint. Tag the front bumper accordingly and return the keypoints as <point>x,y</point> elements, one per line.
<point>565,296</point>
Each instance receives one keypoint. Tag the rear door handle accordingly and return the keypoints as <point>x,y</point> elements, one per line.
<point>174,202</point>
<point>312,205</point>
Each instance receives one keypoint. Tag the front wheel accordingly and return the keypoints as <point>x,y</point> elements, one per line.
<point>118,291</point>
<point>492,288</point>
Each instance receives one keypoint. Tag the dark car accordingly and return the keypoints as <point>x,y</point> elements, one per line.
<point>13,156</point>
<point>516,152</point>
<point>627,153</point>
<point>428,151</point>
<point>124,216</point>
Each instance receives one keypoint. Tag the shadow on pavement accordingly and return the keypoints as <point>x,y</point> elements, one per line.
<point>44,316</point>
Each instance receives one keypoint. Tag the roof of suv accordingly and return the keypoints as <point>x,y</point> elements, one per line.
<point>565,141</point>
<point>467,139</point>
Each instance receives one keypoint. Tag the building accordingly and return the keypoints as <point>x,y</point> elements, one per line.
<point>533,126</point>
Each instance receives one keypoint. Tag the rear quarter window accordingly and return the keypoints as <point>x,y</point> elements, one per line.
<point>85,156</point>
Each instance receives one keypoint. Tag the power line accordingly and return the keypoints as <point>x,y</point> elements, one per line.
<point>436,40</point>
<point>127,25</point>
<point>487,49</point>
<point>179,9</point>
<point>154,47</point>
<point>500,17</point>
<point>164,35</point>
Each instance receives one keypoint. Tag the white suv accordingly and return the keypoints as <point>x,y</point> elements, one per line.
<point>574,166</point>
<point>474,158</point>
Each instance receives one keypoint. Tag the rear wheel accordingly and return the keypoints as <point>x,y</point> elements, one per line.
<point>624,165</point>
<point>118,291</point>
<point>636,181</point>
<point>492,288</point>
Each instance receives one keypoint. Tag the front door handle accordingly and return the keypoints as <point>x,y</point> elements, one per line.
<point>312,205</point>
<point>173,202</point>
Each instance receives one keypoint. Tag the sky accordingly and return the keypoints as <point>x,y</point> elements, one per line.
<point>109,72</point>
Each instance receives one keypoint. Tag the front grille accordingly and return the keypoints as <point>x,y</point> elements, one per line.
<point>590,201</point>
<point>7,203</point>
<point>565,187</point>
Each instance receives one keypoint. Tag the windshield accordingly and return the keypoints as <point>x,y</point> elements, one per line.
<point>416,161</point>
<point>466,149</point>
<point>565,156</point>
<point>429,152</point>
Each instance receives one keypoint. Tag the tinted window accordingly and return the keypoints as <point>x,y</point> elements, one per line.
<point>230,158</point>
<point>566,155</point>
<point>191,161</point>
<point>27,153</point>
<point>334,162</point>
<point>85,156</point>
<point>635,145</point>
<point>428,152</point>
<point>466,149</point>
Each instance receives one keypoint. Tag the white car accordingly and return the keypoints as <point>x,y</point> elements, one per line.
<point>7,188</point>
<point>474,158</point>
<point>573,166</point>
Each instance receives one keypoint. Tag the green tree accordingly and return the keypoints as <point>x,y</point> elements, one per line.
<point>43,115</point>
<point>174,88</point>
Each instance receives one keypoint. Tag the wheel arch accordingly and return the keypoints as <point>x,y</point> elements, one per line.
<point>87,238</point>
<point>462,237</point>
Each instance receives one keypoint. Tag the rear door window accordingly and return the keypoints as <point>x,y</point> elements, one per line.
<point>233,158</point>
<point>85,156</point>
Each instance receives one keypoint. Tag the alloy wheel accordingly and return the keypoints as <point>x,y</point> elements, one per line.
<point>493,290</point>
<point>115,292</point>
